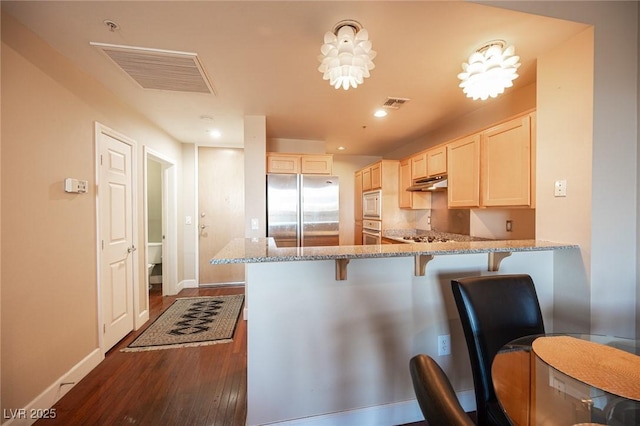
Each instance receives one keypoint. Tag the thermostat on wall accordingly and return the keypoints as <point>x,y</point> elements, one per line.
<point>75,186</point>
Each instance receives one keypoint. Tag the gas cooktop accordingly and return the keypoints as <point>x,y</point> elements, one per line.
<point>426,239</point>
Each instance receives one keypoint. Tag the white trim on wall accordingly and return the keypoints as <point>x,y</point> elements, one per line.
<point>42,403</point>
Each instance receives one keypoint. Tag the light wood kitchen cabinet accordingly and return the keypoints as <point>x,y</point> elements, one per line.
<point>357,204</point>
<point>404,197</point>
<point>366,179</point>
<point>283,163</point>
<point>357,208</point>
<point>372,177</point>
<point>436,160</point>
<point>419,166</point>
<point>463,165</point>
<point>408,199</point>
<point>311,164</point>
<point>316,164</point>
<point>383,175</point>
<point>506,164</point>
<point>376,176</point>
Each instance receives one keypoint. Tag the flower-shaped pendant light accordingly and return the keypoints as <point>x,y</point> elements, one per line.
<point>346,55</point>
<point>490,70</point>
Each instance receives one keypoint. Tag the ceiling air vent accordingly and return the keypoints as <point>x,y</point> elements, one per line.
<point>395,103</point>
<point>160,69</point>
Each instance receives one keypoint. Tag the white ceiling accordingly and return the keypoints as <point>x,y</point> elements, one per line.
<point>262,60</point>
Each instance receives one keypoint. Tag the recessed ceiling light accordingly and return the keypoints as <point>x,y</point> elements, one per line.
<point>380,113</point>
<point>341,148</point>
<point>214,133</point>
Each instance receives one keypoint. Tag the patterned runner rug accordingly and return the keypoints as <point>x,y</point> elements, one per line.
<point>192,321</point>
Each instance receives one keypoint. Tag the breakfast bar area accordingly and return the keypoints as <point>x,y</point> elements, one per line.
<point>331,329</point>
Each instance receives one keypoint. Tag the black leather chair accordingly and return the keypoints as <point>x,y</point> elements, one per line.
<point>493,311</point>
<point>436,397</point>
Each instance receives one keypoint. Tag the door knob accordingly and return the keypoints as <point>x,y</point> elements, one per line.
<point>131,249</point>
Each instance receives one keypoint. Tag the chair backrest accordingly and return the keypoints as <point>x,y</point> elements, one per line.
<point>493,311</point>
<point>437,399</point>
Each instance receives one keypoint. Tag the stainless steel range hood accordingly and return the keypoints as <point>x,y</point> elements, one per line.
<point>434,183</point>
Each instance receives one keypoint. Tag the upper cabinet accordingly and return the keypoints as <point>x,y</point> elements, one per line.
<point>418,165</point>
<point>372,177</point>
<point>408,199</point>
<point>283,163</point>
<point>493,168</point>
<point>463,164</point>
<point>506,164</point>
<point>437,161</point>
<point>318,164</point>
<point>432,162</point>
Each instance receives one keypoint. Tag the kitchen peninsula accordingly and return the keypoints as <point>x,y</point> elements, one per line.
<point>331,329</point>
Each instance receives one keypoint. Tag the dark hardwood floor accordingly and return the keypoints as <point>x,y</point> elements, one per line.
<point>204,385</point>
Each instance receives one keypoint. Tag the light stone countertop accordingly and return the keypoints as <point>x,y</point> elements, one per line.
<point>258,250</point>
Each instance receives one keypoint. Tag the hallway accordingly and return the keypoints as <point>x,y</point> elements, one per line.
<point>204,385</point>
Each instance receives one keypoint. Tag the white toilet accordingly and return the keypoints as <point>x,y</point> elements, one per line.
<point>154,251</point>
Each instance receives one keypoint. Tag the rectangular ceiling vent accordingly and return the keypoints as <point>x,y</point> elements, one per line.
<point>160,69</point>
<point>395,103</point>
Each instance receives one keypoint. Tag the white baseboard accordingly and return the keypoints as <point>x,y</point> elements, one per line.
<point>382,415</point>
<point>187,284</point>
<point>42,404</point>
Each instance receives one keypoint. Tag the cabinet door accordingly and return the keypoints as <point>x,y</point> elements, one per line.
<point>366,179</point>
<point>463,165</point>
<point>357,203</point>
<point>376,176</point>
<point>506,164</point>
<point>437,161</point>
<point>316,164</point>
<point>419,166</point>
<point>404,197</point>
<point>282,163</point>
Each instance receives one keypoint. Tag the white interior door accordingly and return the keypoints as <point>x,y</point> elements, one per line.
<point>116,238</point>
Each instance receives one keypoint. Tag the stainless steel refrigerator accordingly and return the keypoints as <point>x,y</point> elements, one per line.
<point>302,210</point>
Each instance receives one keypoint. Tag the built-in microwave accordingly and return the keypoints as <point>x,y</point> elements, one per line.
<point>372,205</point>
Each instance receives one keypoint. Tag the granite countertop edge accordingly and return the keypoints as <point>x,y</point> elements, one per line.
<point>261,250</point>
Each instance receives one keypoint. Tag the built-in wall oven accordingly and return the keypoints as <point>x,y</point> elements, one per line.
<point>371,232</point>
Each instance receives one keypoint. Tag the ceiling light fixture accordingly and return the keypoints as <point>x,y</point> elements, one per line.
<point>490,70</point>
<point>214,133</point>
<point>346,56</point>
<point>380,113</point>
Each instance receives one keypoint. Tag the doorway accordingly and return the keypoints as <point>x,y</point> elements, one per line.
<point>220,211</point>
<point>160,224</point>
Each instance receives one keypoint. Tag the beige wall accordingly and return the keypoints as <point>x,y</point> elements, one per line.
<point>154,201</point>
<point>612,250</point>
<point>565,129</point>
<point>49,300</point>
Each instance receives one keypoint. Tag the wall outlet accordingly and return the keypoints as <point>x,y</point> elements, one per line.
<point>560,188</point>
<point>444,345</point>
<point>255,224</point>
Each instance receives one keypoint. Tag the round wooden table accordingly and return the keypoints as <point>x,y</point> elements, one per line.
<point>569,379</point>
